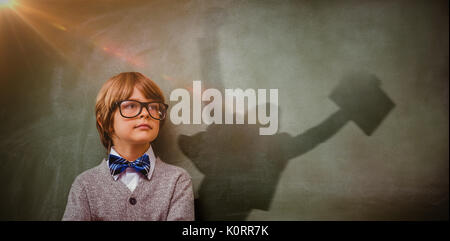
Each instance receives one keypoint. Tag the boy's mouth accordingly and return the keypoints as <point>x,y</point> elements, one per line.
<point>144,126</point>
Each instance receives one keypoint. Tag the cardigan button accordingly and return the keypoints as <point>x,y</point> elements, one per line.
<point>133,201</point>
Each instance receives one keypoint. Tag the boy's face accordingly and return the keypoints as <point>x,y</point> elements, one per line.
<point>126,130</point>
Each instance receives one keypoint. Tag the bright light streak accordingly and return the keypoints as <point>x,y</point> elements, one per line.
<point>7,3</point>
<point>44,23</point>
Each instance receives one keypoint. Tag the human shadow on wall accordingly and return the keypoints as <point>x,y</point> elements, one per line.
<point>242,168</point>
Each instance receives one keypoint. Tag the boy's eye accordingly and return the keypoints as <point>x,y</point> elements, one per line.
<point>129,105</point>
<point>154,106</point>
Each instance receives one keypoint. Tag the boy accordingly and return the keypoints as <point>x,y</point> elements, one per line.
<point>132,184</point>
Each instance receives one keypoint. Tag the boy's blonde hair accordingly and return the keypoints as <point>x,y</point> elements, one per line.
<point>117,88</point>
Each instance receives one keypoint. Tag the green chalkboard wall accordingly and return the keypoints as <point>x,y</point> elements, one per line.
<point>363,103</point>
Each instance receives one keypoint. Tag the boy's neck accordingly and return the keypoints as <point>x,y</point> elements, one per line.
<point>131,152</point>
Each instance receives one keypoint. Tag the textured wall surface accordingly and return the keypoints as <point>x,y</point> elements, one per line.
<point>363,103</point>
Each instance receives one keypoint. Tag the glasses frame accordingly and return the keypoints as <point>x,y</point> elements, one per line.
<point>143,104</point>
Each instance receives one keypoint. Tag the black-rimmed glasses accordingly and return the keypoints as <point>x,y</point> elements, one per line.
<point>132,108</point>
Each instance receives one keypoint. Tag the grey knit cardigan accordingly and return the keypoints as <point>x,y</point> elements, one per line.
<point>168,195</point>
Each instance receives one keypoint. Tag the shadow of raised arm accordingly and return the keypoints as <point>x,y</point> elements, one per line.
<point>314,136</point>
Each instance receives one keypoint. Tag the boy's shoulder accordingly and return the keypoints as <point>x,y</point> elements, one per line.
<point>169,170</point>
<point>92,175</point>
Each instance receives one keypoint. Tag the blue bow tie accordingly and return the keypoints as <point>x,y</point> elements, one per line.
<point>118,164</point>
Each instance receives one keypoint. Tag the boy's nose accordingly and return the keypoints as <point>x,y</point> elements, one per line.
<point>144,113</point>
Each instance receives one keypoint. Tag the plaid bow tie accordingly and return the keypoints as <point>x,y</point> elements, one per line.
<point>118,164</point>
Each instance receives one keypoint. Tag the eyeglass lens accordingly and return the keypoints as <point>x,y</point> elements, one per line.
<point>130,108</point>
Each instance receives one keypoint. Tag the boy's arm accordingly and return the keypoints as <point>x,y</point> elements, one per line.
<point>182,203</point>
<point>77,208</point>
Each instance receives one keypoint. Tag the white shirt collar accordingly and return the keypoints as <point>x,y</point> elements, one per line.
<point>150,154</point>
